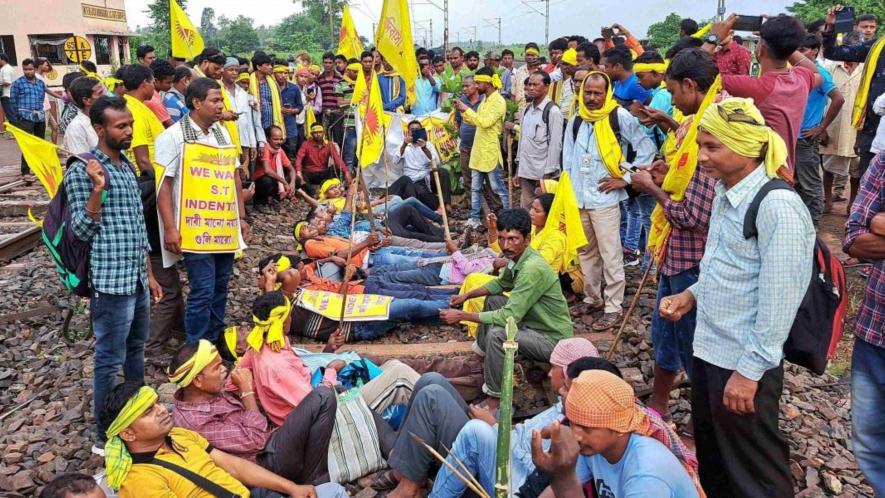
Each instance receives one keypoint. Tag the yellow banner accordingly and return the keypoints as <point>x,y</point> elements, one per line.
<point>360,307</point>
<point>208,216</point>
<point>439,136</point>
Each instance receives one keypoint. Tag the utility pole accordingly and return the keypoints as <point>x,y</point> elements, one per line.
<point>720,10</point>
<point>420,24</point>
<point>470,29</point>
<point>545,13</point>
<point>492,23</point>
<point>445,10</point>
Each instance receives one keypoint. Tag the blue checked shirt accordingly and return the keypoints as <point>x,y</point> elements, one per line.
<point>749,290</point>
<point>119,238</point>
<point>173,101</point>
<point>27,99</point>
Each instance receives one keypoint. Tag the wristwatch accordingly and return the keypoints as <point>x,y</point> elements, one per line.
<point>712,38</point>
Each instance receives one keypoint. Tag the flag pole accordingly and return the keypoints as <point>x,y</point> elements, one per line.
<point>509,170</point>
<point>439,196</point>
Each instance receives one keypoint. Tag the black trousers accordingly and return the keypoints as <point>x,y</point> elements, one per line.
<point>739,455</point>
<point>406,221</point>
<point>265,188</point>
<point>423,190</point>
<point>299,449</point>
<point>36,129</point>
<point>6,103</point>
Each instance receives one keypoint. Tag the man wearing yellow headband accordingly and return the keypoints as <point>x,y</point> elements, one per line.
<point>312,163</point>
<point>599,162</point>
<point>229,417</point>
<point>532,63</point>
<point>618,63</point>
<point>292,104</point>
<point>562,89</point>
<point>747,295</point>
<point>148,453</point>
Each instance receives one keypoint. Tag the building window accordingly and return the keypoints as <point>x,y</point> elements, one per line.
<point>7,46</point>
<point>50,46</point>
<point>123,50</point>
<point>102,46</point>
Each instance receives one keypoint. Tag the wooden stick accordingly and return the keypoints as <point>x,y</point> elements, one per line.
<point>478,490</point>
<point>439,195</point>
<point>509,172</point>
<point>611,351</point>
<point>346,278</point>
<point>461,464</point>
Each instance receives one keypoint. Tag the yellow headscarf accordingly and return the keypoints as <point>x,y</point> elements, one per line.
<point>532,51</point>
<point>185,374</point>
<point>863,91</point>
<point>231,334</point>
<point>281,69</point>
<point>242,77</point>
<point>276,102</point>
<point>495,80</point>
<point>297,233</point>
<point>111,83</point>
<point>326,186</point>
<point>683,163</point>
<point>609,148</point>
<point>316,127</point>
<point>284,263</point>
<point>315,69</point>
<point>117,460</point>
<point>89,74</point>
<point>270,331</point>
<point>570,57</point>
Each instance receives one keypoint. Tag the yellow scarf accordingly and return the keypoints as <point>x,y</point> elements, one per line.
<point>276,103</point>
<point>283,264</point>
<point>230,340</point>
<point>185,374</point>
<point>270,331</point>
<point>863,91</point>
<point>606,141</point>
<point>231,126</point>
<point>565,217</point>
<point>117,460</point>
<point>683,163</point>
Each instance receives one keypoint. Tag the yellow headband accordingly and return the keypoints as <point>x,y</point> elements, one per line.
<point>284,263</point>
<point>317,127</point>
<point>494,80</point>
<point>314,68</point>
<point>738,124</point>
<point>298,227</point>
<point>281,69</point>
<point>532,51</point>
<point>117,460</point>
<point>653,67</point>
<point>354,66</point>
<point>110,82</point>
<point>570,57</point>
<point>242,77</point>
<point>328,184</point>
<point>185,374</point>
<point>270,331</point>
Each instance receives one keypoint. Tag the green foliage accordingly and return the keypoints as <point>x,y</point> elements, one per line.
<point>662,35</point>
<point>812,10</point>
<point>239,36</point>
<point>208,28</point>
<point>157,33</point>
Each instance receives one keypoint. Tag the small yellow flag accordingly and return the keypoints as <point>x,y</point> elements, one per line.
<point>187,42</point>
<point>565,216</point>
<point>394,41</point>
<point>372,119</point>
<point>42,157</point>
<point>349,44</point>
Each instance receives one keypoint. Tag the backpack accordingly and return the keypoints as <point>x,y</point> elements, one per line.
<point>819,322</point>
<point>69,253</point>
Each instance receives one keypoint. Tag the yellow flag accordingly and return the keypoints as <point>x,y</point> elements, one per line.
<point>394,41</point>
<point>372,118</point>
<point>349,44</point>
<point>565,216</point>
<point>186,40</point>
<point>42,157</point>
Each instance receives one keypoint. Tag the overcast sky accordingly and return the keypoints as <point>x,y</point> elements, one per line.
<point>518,22</point>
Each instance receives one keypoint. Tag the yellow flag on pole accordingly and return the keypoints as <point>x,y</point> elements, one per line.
<point>565,216</point>
<point>187,42</point>
<point>349,44</point>
<point>394,41</point>
<point>42,158</point>
<point>371,119</point>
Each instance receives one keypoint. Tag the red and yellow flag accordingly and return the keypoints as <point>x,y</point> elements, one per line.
<point>349,44</point>
<point>372,120</point>
<point>42,157</point>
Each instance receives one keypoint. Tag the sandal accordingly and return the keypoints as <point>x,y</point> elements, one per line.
<point>608,321</point>
<point>855,262</point>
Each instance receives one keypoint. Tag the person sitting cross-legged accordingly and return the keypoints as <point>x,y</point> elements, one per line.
<point>147,456</point>
<point>312,162</point>
<point>234,423</point>
<point>536,303</point>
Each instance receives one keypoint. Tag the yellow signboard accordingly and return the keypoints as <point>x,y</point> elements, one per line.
<point>77,49</point>
<point>360,307</point>
<point>100,12</point>
<point>208,216</point>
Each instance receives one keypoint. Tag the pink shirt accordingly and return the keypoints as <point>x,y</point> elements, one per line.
<point>156,105</point>
<point>780,97</point>
<point>281,380</point>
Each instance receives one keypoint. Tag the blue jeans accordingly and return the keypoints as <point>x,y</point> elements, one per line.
<point>407,291</point>
<point>121,326</point>
<point>673,340</point>
<point>401,310</point>
<point>867,400</point>
<point>496,178</point>
<point>348,149</point>
<point>476,448</point>
<point>393,255</point>
<point>409,274</point>
<point>636,221</point>
<point>208,276</point>
<point>421,207</point>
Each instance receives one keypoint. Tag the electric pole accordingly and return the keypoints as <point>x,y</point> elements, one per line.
<point>545,13</point>
<point>492,23</point>
<point>445,10</point>
<point>720,10</point>
<point>332,23</point>
<point>470,29</point>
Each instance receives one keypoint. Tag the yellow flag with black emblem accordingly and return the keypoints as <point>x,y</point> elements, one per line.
<point>187,42</point>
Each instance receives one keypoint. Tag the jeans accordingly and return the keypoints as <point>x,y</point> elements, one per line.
<point>120,325</point>
<point>476,448</point>
<point>36,129</point>
<point>408,274</point>
<point>7,109</point>
<point>407,291</point>
<point>348,149</point>
<point>636,220</point>
<point>401,256</point>
<point>673,340</point>
<point>401,310</point>
<point>208,276</point>
<point>496,176</point>
<point>867,400</point>
<point>420,206</point>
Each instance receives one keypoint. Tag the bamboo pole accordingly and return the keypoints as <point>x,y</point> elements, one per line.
<point>463,467</point>
<point>509,140</point>
<point>439,195</point>
<point>346,279</point>
<point>617,339</point>
<point>478,490</point>
<point>505,412</point>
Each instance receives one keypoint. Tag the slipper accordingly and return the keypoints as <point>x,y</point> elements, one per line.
<point>608,321</point>
<point>853,262</point>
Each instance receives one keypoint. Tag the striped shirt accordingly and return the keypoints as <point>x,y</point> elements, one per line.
<point>118,261</point>
<point>327,90</point>
<point>749,290</point>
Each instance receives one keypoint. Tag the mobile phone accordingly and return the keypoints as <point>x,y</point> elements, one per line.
<point>748,23</point>
<point>608,32</point>
<point>844,20</point>
<point>419,135</point>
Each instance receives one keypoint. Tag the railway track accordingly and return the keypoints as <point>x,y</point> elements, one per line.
<point>18,235</point>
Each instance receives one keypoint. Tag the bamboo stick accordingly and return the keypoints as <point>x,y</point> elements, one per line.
<point>478,490</point>
<point>461,464</point>
<point>617,339</point>
<point>505,412</point>
<point>439,195</point>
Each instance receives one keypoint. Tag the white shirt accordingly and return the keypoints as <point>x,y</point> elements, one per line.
<point>167,153</point>
<point>7,76</point>
<point>416,164</point>
<point>245,125</point>
<point>80,136</point>
<point>879,141</point>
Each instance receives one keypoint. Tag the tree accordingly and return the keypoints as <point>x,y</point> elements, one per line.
<point>813,10</point>
<point>239,37</point>
<point>318,11</point>
<point>662,35</point>
<point>208,29</point>
<point>158,32</point>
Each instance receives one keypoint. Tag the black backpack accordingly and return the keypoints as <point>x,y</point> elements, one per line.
<point>819,322</point>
